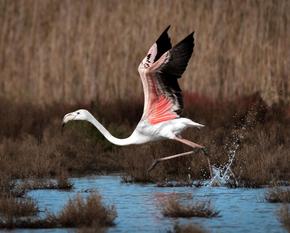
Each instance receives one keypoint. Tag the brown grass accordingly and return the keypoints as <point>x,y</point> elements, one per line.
<point>33,184</point>
<point>57,56</point>
<point>188,228</point>
<point>12,208</point>
<point>173,208</point>
<point>88,211</point>
<point>278,194</point>
<point>260,131</point>
<point>284,215</point>
<point>71,51</point>
<point>38,150</point>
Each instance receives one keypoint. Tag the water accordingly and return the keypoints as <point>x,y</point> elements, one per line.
<point>224,175</point>
<point>138,206</point>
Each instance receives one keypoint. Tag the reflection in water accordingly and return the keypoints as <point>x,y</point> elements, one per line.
<point>241,210</point>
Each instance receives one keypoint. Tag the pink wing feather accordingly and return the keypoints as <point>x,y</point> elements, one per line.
<point>159,72</point>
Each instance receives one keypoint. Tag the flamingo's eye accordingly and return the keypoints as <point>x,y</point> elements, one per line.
<point>78,112</point>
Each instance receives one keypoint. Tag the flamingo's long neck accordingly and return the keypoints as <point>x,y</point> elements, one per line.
<point>117,141</point>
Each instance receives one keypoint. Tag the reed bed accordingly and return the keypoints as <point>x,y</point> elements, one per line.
<point>58,56</point>
<point>75,51</point>
<point>37,149</point>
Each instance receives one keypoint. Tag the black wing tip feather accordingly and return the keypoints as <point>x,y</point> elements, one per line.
<point>164,33</point>
<point>188,40</point>
<point>163,43</point>
<point>179,58</point>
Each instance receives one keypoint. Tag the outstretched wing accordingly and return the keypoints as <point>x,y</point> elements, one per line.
<point>159,74</point>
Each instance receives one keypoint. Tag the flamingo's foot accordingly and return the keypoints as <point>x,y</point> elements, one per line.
<point>205,151</point>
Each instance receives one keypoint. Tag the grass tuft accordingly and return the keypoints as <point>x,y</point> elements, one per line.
<point>87,211</point>
<point>173,208</point>
<point>12,208</point>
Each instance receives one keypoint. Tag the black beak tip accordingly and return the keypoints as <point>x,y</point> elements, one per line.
<point>62,127</point>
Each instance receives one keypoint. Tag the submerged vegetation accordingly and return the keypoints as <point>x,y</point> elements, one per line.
<point>278,194</point>
<point>284,215</point>
<point>188,228</point>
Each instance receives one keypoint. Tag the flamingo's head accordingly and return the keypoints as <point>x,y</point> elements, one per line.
<point>78,115</point>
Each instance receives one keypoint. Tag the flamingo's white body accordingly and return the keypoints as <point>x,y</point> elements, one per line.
<point>163,103</point>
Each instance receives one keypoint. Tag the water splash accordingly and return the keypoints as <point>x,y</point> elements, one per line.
<point>224,175</point>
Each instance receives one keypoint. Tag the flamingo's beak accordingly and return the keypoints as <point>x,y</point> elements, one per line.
<point>66,118</point>
<point>62,127</point>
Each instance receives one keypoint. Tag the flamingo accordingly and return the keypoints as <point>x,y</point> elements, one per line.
<point>163,102</point>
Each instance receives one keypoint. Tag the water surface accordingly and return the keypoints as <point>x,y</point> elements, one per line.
<point>138,206</point>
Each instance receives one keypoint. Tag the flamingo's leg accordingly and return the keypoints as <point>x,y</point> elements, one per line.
<point>189,143</point>
<point>156,161</point>
<point>195,145</point>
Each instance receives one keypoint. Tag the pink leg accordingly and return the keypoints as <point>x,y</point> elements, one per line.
<point>195,145</point>
<point>156,161</point>
<point>186,142</point>
<point>189,143</point>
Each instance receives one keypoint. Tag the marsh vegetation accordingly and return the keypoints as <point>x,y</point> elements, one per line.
<point>173,207</point>
<point>59,56</point>
<point>32,145</point>
<point>78,212</point>
<point>75,52</point>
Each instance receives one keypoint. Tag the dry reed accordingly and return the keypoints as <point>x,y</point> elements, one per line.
<point>38,150</point>
<point>75,51</point>
<point>12,208</point>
